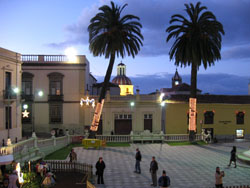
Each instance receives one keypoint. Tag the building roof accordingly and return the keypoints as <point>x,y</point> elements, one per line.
<point>227,99</point>
<point>180,87</point>
<point>98,85</point>
<point>121,64</point>
<point>121,80</point>
<point>176,76</point>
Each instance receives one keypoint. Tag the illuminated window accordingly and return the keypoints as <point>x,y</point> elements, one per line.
<point>55,83</point>
<point>209,117</point>
<point>240,118</point>
<point>239,133</point>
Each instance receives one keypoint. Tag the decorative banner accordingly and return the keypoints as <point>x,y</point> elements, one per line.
<point>97,116</point>
<point>192,114</point>
<point>25,114</point>
<point>87,101</point>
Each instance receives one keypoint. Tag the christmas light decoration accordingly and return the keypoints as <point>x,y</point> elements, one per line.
<point>25,114</point>
<point>88,101</point>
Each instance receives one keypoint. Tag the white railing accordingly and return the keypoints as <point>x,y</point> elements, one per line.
<point>114,138</point>
<point>45,143</point>
<point>29,58</point>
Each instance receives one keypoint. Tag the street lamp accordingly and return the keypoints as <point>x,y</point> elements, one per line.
<point>40,94</point>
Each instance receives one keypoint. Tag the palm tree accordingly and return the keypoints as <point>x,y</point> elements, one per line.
<point>197,42</point>
<point>111,35</point>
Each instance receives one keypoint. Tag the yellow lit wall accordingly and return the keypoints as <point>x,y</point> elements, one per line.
<point>126,90</point>
<point>224,118</point>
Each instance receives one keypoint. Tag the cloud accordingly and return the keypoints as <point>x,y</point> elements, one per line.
<point>221,84</point>
<point>155,17</point>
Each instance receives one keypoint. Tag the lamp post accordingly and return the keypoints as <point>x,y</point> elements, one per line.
<point>40,94</point>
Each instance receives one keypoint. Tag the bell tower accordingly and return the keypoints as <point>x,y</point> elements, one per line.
<point>176,79</point>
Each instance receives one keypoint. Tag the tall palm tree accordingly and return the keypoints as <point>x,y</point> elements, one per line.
<point>197,42</point>
<point>111,35</point>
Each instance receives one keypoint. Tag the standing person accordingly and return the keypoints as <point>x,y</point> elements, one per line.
<point>164,181</point>
<point>13,180</point>
<point>218,178</point>
<point>233,157</point>
<point>100,166</point>
<point>153,170</point>
<point>72,156</point>
<point>137,162</point>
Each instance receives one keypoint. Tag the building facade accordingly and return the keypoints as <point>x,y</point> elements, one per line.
<point>10,101</point>
<point>226,117</point>
<point>123,114</point>
<point>52,87</point>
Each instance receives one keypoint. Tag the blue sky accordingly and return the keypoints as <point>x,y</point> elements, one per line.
<point>50,26</point>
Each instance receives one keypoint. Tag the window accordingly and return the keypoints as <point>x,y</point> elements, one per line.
<point>239,133</point>
<point>7,81</point>
<point>27,87</point>
<point>209,117</point>
<point>8,122</point>
<point>240,118</point>
<point>56,83</point>
<point>55,88</point>
<point>123,116</point>
<point>55,113</point>
<point>27,79</point>
<point>148,116</point>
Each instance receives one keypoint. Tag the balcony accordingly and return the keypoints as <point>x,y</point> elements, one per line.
<point>9,95</point>
<point>27,97</point>
<point>55,97</point>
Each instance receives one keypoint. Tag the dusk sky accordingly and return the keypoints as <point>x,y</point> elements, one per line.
<point>50,26</point>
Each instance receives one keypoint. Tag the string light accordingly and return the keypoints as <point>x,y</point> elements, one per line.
<point>87,101</point>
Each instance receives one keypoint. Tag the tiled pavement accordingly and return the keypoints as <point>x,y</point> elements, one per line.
<point>187,166</point>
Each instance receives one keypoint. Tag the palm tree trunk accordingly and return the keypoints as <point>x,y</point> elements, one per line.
<point>98,109</point>
<point>192,103</point>
<point>107,78</point>
<point>193,80</point>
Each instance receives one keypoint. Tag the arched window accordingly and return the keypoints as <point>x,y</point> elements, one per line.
<point>209,117</point>
<point>240,117</point>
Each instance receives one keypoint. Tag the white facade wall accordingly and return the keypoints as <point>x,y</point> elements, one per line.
<point>10,62</point>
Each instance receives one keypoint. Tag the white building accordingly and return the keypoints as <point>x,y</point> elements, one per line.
<point>52,87</point>
<point>10,108</point>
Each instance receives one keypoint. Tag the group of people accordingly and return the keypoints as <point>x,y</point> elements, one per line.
<point>44,170</point>
<point>163,181</point>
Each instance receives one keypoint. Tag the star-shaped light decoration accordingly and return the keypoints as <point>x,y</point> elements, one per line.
<point>25,114</point>
<point>87,101</point>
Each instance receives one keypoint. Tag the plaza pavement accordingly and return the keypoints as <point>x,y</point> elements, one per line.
<point>187,166</point>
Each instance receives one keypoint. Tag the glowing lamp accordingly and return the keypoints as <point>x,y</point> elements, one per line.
<point>16,90</point>
<point>40,93</point>
<point>71,54</point>
<point>25,106</point>
<point>132,103</point>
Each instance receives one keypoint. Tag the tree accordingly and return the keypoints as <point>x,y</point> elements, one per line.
<point>197,42</point>
<point>111,35</point>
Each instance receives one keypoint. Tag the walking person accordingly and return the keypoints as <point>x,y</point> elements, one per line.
<point>164,180</point>
<point>137,162</point>
<point>218,178</point>
<point>100,166</point>
<point>153,170</point>
<point>233,157</point>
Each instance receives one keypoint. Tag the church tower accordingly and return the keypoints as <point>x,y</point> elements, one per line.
<point>176,80</point>
<point>125,84</point>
